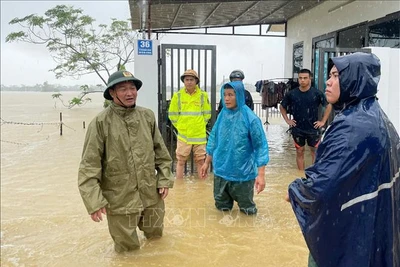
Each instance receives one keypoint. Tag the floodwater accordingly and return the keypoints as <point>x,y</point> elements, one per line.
<point>44,222</point>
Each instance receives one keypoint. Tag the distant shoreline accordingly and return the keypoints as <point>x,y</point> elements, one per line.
<point>39,91</point>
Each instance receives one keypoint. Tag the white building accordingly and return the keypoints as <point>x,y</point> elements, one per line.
<point>313,31</point>
<point>346,25</point>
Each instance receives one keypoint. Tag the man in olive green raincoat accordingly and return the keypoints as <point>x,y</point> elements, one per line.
<point>125,170</point>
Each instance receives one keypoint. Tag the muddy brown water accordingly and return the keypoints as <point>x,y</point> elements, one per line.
<point>44,222</point>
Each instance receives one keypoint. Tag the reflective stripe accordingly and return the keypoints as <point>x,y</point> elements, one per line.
<point>194,113</point>
<point>202,102</point>
<point>173,113</point>
<point>179,102</point>
<point>193,139</point>
<point>370,195</point>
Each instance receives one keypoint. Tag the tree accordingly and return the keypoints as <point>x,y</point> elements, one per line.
<point>77,46</point>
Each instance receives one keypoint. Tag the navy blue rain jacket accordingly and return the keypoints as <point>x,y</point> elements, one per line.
<point>348,207</point>
<point>237,141</point>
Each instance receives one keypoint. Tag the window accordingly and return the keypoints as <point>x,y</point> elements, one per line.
<point>297,59</point>
<point>324,41</point>
<point>353,37</point>
<point>385,34</point>
<point>327,43</point>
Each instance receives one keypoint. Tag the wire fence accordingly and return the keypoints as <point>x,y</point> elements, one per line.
<point>28,123</point>
<point>14,143</point>
<point>2,121</point>
<point>59,124</point>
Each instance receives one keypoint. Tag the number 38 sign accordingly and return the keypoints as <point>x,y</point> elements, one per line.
<point>145,47</point>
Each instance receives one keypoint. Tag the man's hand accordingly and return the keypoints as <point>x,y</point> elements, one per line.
<point>318,124</point>
<point>96,216</point>
<point>163,192</point>
<point>204,170</point>
<point>291,123</point>
<point>260,184</point>
<point>287,197</point>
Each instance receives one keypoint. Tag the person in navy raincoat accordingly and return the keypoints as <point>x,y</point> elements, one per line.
<point>238,149</point>
<point>348,206</point>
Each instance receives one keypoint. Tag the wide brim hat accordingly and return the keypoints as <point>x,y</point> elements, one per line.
<point>119,77</point>
<point>192,73</point>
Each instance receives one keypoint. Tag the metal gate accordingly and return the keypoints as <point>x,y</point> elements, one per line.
<point>322,56</point>
<point>173,60</point>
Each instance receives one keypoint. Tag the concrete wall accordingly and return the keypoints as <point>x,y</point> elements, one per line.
<point>146,69</point>
<point>319,21</point>
<point>388,88</point>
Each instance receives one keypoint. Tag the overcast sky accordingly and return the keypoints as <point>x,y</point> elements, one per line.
<point>21,63</point>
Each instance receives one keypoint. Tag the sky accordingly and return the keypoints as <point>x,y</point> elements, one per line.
<point>22,63</point>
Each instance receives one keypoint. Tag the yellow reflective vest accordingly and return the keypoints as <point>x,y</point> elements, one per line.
<point>190,114</point>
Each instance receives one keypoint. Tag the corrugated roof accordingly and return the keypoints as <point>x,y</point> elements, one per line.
<point>177,14</point>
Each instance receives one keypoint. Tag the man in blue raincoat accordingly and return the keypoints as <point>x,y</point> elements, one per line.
<point>238,149</point>
<point>348,207</point>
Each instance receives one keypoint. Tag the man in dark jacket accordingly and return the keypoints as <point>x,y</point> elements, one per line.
<point>238,75</point>
<point>348,207</point>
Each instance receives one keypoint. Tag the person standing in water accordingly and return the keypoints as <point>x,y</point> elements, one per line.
<point>238,149</point>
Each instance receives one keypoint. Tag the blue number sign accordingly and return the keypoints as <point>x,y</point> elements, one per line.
<point>145,47</point>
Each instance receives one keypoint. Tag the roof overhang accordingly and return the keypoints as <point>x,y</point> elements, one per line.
<point>167,15</point>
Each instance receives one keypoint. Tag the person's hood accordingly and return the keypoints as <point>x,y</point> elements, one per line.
<point>238,87</point>
<point>359,75</point>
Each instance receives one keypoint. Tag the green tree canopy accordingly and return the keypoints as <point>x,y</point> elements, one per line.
<point>77,45</point>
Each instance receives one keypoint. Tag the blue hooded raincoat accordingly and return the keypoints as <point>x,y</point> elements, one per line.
<point>237,141</point>
<point>348,207</point>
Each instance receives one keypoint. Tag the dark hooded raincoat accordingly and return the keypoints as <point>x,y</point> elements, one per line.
<point>348,207</point>
<point>124,161</point>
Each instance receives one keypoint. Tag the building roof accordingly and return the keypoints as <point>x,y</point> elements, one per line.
<point>193,14</point>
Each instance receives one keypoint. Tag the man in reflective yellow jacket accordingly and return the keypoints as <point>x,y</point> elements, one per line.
<point>189,112</point>
<point>125,170</point>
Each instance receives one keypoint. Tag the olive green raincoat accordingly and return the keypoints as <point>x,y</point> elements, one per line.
<point>124,161</point>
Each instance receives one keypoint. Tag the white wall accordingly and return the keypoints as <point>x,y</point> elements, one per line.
<point>319,21</point>
<point>388,87</point>
<point>146,69</point>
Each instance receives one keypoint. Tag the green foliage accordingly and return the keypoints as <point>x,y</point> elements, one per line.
<point>85,88</point>
<point>57,95</point>
<point>80,100</point>
<point>75,101</point>
<point>76,44</point>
